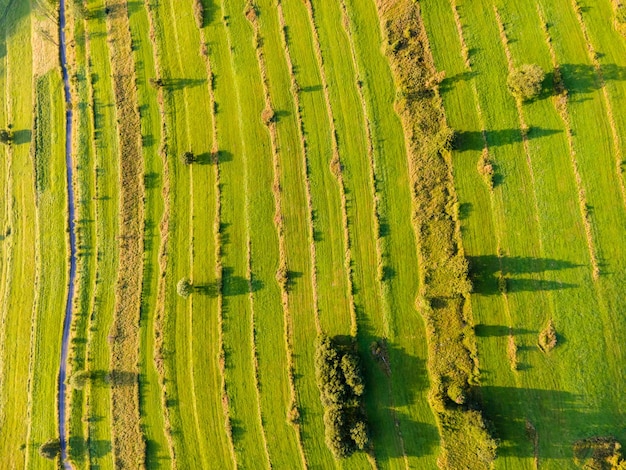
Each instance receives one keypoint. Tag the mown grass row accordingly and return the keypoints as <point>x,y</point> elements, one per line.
<point>202,13</point>
<point>304,297</point>
<point>152,135</point>
<point>22,263</point>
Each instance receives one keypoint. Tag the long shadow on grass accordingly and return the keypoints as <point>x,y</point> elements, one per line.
<point>556,418</point>
<point>231,285</point>
<point>395,379</point>
<point>491,275</point>
<point>473,140</point>
<point>583,78</point>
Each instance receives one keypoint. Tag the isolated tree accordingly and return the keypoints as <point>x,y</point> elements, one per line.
<point>525,82</point>
<point>188,158</point>
<point>50,449</point>
<point>5,136</point>
<point>184,287</point>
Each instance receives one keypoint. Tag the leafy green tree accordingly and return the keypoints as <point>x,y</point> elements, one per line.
<point>184,287</point>
<point>525,82</point>
<point>50,449</point>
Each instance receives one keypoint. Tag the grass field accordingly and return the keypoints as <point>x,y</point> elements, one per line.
<point>322,193</point>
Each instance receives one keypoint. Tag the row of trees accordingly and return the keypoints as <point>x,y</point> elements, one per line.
<point>341,384</point>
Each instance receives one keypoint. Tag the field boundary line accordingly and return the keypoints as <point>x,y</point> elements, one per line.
<point>561,104</point>
<point>336,167</point>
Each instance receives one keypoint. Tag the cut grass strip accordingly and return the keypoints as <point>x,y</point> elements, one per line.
<point>217,225</point>
<point>328,273</point>
<point>177,347</point>
<point>329,324</point>
<point>415,437</point>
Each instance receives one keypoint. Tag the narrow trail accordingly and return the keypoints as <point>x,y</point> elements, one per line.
<point>72,229</point>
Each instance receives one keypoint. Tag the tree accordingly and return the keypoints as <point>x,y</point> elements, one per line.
<point>525,82</point>
<point>184,287</point>
<point>188,158</point>
<point>6,137</point>
<point>50,449</point>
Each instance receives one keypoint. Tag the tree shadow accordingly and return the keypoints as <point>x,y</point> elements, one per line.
<point>230,284</point>
<point>487,331</point>
<point>23,136</point>
<point>491,275</point>
<point>583,78</point>
<point>447,84</point>
<point>211,158</point>
<point>473,140</point>
<point>556,419</point>
<point>78,448</point>
<point>177,84</point>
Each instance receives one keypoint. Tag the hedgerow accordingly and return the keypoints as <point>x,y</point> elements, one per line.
<point>339,378</point>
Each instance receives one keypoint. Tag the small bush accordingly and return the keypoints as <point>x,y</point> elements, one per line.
<point>547,337</point>
<point>184,287</point>
<point>268,116</point>
<point>50,449</point>
<point>525,82</point>
<point>485,168</point>
<point>188,158</point>
<point>599,453</point>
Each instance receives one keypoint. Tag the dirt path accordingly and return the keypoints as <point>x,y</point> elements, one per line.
<point>72,231</point>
